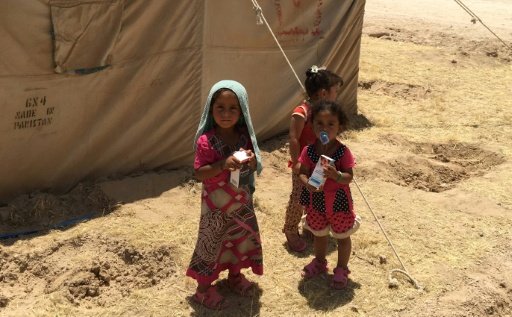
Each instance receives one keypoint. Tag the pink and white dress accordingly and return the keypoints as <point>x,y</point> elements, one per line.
<point>228,229</point>
<point>332,209</point>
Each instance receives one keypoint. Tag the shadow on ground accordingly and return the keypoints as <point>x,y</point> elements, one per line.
<point>237,305</point>
<point>321,296</point>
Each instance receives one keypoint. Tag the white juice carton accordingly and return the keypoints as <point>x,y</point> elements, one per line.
<point>234,177</point>
<point>317,178</point>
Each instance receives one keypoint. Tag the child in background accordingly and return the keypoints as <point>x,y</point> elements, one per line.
<point>320,84</point>
<point>329,208</point>
<point>228,237</point>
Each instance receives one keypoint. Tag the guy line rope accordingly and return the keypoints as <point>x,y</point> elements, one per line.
<point>392,281</point>
<point>475,18</point>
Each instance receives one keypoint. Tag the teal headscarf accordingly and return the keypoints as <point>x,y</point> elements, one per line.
<point>207,122</point>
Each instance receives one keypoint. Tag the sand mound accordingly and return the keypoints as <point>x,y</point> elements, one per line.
<point>41,211</point>
<point>100,270</point>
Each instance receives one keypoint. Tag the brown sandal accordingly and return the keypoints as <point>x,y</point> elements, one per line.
<point>210,299</point>
<point>296,244</point>
<point>240,285</point>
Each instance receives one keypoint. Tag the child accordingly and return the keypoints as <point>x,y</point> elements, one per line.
<point>228,236</point>
<point>329,208</point>
<point>321,84</point>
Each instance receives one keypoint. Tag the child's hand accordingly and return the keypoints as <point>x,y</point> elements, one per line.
<point>250,154</point>
<point>330,172</point>
<point>231,163</point>
<point>312,188</point>
<point>251,158</point>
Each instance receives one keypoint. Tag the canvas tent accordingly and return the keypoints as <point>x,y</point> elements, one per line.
<point>92,88</point>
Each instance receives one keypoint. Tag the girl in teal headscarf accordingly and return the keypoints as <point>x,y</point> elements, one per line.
<point>228,236</point>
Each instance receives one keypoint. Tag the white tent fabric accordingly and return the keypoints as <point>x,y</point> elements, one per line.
<point>92,88</point>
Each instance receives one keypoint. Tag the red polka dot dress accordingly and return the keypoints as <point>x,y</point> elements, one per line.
<point>330,210</point>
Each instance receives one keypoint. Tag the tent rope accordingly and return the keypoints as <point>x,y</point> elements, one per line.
<point>261,18</point>
<point>475,18</point>
<point>392,281</point>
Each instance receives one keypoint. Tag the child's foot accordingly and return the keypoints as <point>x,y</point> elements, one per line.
<point>294,241</point>
<point>240,285</point>
<point>314,268</point>
<point>340,278</point>
<point>210,299</point>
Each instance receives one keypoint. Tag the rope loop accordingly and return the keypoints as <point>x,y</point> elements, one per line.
<point>393,282</point>
<point>257,9</point>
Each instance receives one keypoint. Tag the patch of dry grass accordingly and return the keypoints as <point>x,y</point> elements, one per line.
<point>469,100</point>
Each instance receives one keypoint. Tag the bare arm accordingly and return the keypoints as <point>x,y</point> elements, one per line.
<point>305,171</point>
<point>214,169</point>
<point>296,126</point>
<point>341,177</point>
<point>211,170</point>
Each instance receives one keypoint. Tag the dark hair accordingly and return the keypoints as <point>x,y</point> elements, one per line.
<point>332,107</point>
<point>317,79</point>
<point>217,94</point>
<point>241,120</point>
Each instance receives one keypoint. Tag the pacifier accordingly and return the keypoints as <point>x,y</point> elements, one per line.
<point>324,137</point>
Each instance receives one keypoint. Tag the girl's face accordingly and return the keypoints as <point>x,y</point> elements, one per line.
<point>226,110</point>
<point>328,122</point>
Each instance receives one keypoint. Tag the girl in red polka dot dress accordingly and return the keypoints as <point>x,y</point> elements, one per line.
<point>329,207</point>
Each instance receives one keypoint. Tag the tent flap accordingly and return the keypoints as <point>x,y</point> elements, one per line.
<point>84,33</point>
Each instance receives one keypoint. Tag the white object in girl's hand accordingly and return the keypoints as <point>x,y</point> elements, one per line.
<point>241,156</point>
<point>317,178</point>
<point>234,178</point>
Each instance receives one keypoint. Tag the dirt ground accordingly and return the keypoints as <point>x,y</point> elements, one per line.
<point>434,152</point>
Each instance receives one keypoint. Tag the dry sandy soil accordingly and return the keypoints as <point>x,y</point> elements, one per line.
<point>434,150</point>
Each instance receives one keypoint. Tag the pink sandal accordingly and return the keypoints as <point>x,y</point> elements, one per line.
<point>340,278</point>
<point>296,243</point>
<point>210,299</point>
<point>240,285</point>
<point>314,268</point>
